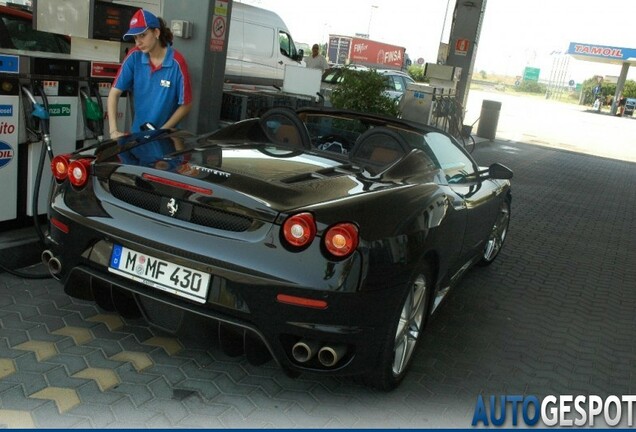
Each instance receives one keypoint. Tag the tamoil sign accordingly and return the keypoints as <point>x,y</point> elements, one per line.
<point>7,130</point>
<point>603,53</point>
<point>6,154</point>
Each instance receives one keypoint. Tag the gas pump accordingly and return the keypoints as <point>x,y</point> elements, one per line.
<point>39,112</point>
<point>58,81</point>
<point>95,85</point>
<point>102,75</point>
<point>91,117</point>
<point>69,95</point>
<point>433,103</point>
<point>11,126</point>
<point>10,109</point>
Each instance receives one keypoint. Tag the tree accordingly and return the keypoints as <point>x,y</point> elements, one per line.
<point>608,90</point>
<point>363,90</point>
<point>528,86</point>
<point>417,73</point>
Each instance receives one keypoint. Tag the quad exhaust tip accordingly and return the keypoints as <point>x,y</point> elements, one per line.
<point>46,257</point>
<point>328,355</point>
<point>53,264</point>
<point>304,350</point>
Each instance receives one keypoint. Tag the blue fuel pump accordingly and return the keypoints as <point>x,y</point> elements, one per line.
<point>40,111</point>
<point>10,111</point>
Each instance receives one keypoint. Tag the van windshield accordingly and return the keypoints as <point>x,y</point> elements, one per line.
<point>287,47</point>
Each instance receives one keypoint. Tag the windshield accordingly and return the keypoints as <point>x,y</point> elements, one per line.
<point>287,46</point>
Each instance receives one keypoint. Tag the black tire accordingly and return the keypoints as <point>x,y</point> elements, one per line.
<point>497,235</point>
<point>404,332</point>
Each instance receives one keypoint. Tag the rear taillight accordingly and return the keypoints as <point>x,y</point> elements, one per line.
<point>59,166</point>
<point>299,230</point>
<point>78,172</point>
<point>341,240</point>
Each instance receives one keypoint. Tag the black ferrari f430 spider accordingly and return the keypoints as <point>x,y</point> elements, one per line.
<point>322,238</point>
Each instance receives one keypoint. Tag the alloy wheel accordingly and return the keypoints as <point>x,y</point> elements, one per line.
<point>498,234</point>
<point>410,325</point>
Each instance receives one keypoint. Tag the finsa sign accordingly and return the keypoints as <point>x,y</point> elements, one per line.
<point>368,52</point>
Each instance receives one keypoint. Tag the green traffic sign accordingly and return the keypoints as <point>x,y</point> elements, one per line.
<point>531,74</point>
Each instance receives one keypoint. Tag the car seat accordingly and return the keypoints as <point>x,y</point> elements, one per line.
<point>379,147</point>
<point>283,126</point>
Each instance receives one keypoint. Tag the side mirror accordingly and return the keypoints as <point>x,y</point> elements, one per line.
<point>499,172</point>
<point>300,55</point>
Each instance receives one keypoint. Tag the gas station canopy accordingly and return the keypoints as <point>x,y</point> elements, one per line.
<point>625,57</point>
<point>602,53</point>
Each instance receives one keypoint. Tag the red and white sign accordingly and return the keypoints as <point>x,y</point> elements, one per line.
<point>103,88</point>
<point>462,46</point>
<point>104,69</point>
<point>600,51</point>
<point>51,88</point>
<point>368,52</point>
<point>219,26</point>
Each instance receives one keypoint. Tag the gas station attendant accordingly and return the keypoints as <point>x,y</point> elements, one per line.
<point>155,73</point>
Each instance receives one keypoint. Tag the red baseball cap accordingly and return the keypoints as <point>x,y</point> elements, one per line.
<point>141,21</point>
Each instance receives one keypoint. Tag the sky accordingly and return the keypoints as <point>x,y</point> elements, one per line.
<point>515,34</point>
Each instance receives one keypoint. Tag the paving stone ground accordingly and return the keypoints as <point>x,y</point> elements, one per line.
<point>555,314</point>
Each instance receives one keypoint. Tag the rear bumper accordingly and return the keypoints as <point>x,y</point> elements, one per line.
<point>273,326</point>
<point>355,320</point>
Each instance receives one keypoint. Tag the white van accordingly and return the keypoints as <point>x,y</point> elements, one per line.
<point>259,47</point>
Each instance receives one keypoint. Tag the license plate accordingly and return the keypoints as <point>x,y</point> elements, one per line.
<point>160,274</point>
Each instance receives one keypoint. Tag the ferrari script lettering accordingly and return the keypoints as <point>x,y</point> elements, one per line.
<point>211,171</point>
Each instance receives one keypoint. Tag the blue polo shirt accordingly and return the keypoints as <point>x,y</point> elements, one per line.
<point>157,92</point>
